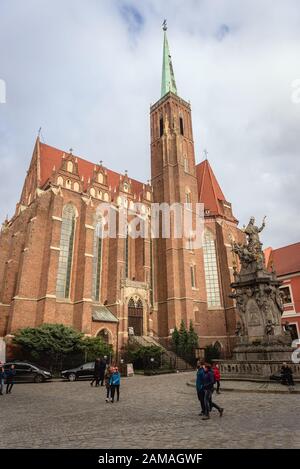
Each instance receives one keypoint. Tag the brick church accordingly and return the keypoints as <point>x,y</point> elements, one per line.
<point>55,269</point>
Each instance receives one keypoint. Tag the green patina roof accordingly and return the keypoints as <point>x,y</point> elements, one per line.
<point>101,313</point>
<point>168,78</point>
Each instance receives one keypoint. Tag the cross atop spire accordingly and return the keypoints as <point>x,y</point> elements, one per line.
<point>168,78</point>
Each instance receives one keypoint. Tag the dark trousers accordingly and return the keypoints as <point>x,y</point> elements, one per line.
<point>98,379</point>
<point>114,388</point>
<point>200,395</point>
<point>218,386</point>
<point>107,391</point>
<point>287,380</point>
<point>212,404</point>
<point>9,386</point>
<point>207,401</point>
<point>101,380</point>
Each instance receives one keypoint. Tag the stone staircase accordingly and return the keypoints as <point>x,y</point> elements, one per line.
<point>168,358</point>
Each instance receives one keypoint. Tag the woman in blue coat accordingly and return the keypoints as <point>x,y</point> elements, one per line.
<point>115,381</point>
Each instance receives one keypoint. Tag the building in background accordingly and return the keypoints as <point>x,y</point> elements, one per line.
<point>286,263</point>
<point>55,269</point>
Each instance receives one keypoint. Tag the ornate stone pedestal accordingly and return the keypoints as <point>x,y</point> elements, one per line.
<point>260,336</point>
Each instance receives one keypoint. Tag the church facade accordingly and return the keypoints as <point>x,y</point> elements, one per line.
<point>55,268</point>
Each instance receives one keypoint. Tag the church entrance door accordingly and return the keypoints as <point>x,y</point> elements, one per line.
<point>135,316</point>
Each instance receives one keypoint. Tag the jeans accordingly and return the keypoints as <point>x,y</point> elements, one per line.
<point>115,387</point>
<point>1,385</point>
<point>208,403</point>
<point>200,395</point>
<point>212,404</point>
<point>9,386</point>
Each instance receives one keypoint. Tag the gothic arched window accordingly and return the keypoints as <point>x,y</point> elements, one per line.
<point>211,270</point>
<point>97,260</point>
<point>66,252</point>
<point>188,197</point>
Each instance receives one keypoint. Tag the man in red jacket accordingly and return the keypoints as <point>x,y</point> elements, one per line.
<point>217,376</point>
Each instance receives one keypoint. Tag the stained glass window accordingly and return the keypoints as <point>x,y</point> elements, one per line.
<point>211,271</point>
<point>97,260</point>
<point>66,252</point>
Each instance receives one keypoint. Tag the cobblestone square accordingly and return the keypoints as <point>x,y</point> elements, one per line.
<point>153,412</point>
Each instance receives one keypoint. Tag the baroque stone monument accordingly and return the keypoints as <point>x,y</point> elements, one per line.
<point>260,335</point>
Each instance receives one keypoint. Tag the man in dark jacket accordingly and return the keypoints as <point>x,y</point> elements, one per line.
<point>287,375</point>
<point>96,376</point>
<point>10,375</point>
<point>199,385</point>
<point>102,368</point>
<point>208,384</point>
<point>2,378</point>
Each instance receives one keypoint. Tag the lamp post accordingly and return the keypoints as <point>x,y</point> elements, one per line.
<point>152,363</point>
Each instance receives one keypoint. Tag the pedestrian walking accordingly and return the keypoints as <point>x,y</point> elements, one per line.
<point>97,373</point>
<point>217,375</point>
<point>200,385</point>
<point>107,376</point>
<point>10,381</point>
<point>115,381</point>
<point>208,384</point>
<point>2,378</point>
<point>102,367</point>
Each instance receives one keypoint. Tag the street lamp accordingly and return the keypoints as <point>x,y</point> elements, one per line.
<point>152,363</point>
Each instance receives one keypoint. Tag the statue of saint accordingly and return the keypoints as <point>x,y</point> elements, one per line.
<point>269,328</point>
<point>252,232</point>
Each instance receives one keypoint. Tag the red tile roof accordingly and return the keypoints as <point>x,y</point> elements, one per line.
<point>286,260</point>
<point>209,191</point>
<point>50,157</point>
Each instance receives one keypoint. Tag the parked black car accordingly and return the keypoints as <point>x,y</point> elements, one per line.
<point>85,371</point>
<point>28,373</point>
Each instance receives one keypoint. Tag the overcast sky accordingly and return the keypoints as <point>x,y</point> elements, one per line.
<point>87,72</point>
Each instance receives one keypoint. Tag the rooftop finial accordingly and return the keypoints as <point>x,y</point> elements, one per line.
<point>168,78</point>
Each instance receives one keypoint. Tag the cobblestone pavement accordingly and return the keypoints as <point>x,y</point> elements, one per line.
<point>153,412</point>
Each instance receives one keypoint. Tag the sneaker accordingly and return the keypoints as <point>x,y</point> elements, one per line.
<point>201,413</point>
<point>206,417</point>
<point>107,399</point>
<point>221,412</point>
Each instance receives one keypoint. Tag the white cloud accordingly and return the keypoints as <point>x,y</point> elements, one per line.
<point>87,72</point>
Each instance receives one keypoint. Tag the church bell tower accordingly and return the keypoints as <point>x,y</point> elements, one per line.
<point>178,268</point>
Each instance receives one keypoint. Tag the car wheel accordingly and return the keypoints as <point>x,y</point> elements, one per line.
<point>72,377</point>
<point>38,379</point>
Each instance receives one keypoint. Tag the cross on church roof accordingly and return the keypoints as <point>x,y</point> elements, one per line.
<point>164,25</point>
<point>205,153</point>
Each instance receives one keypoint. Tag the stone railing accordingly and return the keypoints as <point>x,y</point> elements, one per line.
<point>254,369</point>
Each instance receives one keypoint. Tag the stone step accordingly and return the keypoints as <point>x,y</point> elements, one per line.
<point>169,357</point>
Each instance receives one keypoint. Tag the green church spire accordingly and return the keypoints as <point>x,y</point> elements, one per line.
<point>168,78</point>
